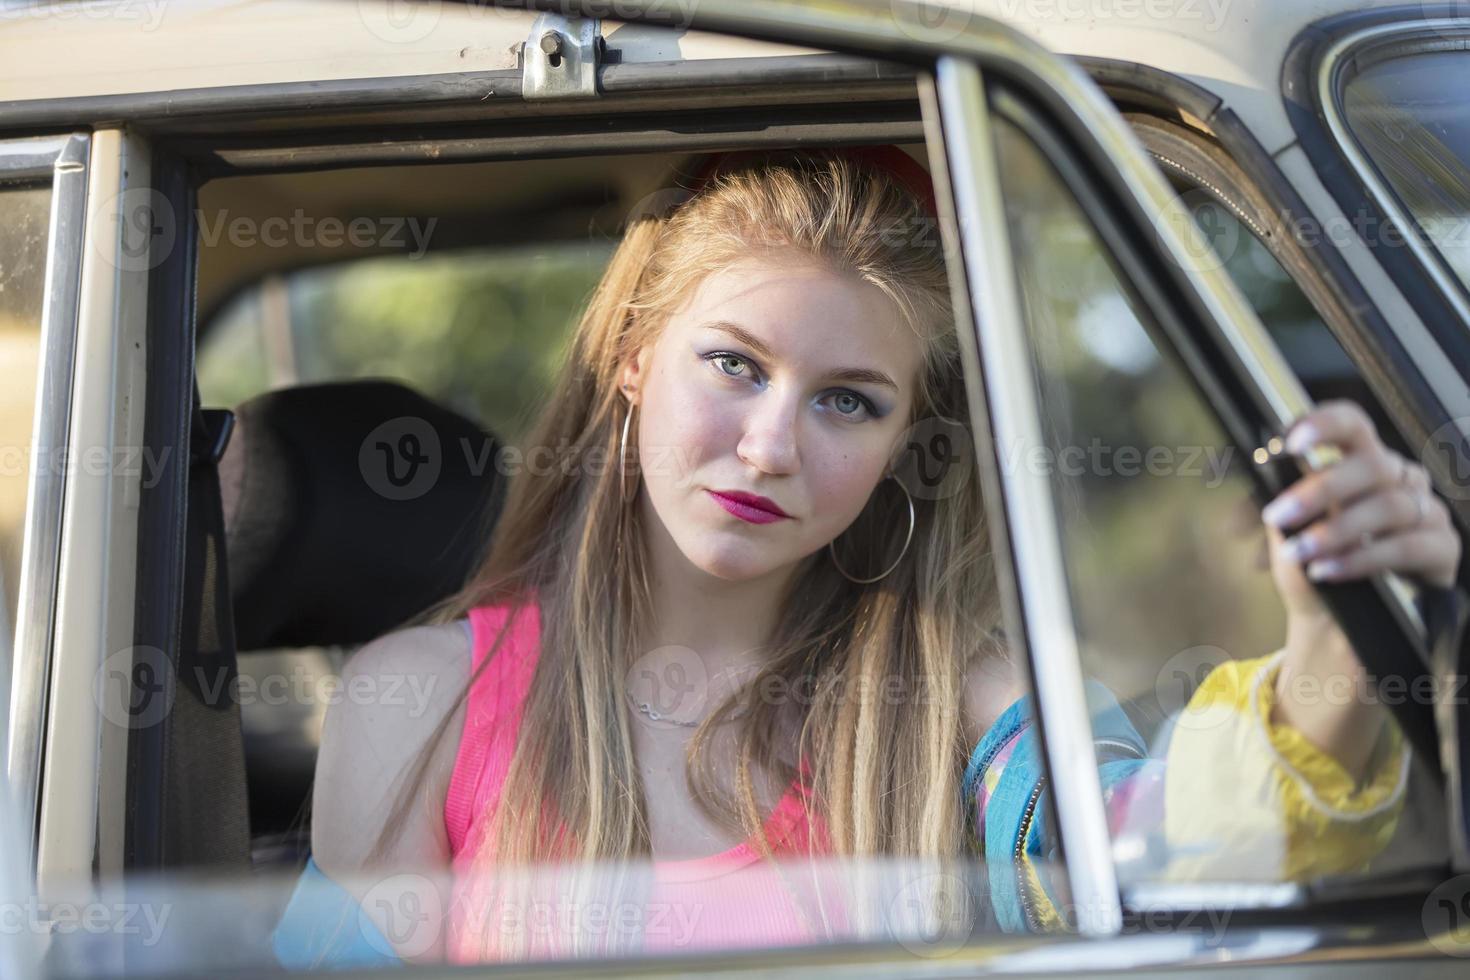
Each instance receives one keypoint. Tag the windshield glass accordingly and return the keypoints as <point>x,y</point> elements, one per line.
<point>1408,114</point>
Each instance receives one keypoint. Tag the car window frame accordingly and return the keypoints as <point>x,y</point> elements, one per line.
<point>1355,318</point>
<point>1271,470</point>
<point>1077,105</point>
<point>1207,169</point>
<point>1342,60</point>
<point>82,784</point>
<point>62,161</point>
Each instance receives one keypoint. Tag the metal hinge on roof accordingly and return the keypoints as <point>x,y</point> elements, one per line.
<point>560,58</point>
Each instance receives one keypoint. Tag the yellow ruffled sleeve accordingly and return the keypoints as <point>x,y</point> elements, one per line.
<point>1246,800</point>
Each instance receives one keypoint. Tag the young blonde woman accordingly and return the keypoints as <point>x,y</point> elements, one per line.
<point>747,369</point>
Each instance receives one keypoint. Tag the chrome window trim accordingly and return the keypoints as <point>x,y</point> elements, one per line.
<point>84,768</point>
<point>41,549</point>
<point>30,159</point>
<point>1029,510</point>
<point>508,146</point>
<point>1186,895</point>
<point>1334,62</point>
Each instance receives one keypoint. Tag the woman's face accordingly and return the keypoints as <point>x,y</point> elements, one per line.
<point>777,379</point>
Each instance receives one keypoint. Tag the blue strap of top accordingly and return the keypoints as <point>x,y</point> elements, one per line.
<point>324,926</point>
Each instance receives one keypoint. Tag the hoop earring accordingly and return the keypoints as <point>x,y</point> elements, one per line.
<point>831,545</point>
<point>623,456</point>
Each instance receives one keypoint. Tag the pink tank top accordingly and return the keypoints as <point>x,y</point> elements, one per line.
<point>727,900</point>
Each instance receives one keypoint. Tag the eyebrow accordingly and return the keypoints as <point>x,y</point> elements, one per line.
<point>852,374</point>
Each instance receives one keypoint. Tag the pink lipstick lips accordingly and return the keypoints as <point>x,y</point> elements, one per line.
<point>749,506</point>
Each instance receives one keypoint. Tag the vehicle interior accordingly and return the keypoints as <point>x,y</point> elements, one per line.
<point>453,307</point>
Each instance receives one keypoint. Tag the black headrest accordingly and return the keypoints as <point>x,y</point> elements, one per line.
<point>349,508</point>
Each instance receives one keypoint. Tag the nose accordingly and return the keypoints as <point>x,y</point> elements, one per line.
<point>768,439</point>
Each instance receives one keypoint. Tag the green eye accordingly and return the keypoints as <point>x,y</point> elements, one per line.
<point>725,361</point>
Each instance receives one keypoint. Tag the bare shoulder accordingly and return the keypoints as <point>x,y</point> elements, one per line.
<point>396,694</point>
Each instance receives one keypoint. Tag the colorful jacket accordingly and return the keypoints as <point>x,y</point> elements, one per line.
<point>1233,798</point>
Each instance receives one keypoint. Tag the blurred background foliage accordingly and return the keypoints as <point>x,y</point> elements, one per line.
<point>480,331</point>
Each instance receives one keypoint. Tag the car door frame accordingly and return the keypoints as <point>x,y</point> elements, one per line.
<point>63,161</point>
<point>905,36</point>
<point>1351,312</point>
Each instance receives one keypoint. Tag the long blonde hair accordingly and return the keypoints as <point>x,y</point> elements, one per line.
<point>885,771</point>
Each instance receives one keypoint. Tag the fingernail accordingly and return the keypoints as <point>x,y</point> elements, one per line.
<point>1323,568</point>
<point>1282,512</point>
<point>1300,439</point>
<point>1298,548</point>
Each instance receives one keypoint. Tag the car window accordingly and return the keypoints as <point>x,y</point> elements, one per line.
<point>24,221</point>
<point>1406,114</point>
<point>479,331</point>
<point>482,331</point>
<point>1165,554</point>
<point>1242,234</point>
<point>1281,304</point>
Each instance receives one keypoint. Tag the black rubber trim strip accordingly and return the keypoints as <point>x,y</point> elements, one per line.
<point>692,131</point>
<point>793,69</point>
<point>162,501</point>
<point>458,95</point>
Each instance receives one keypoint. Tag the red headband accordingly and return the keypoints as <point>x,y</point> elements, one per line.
<point>887,158</point>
